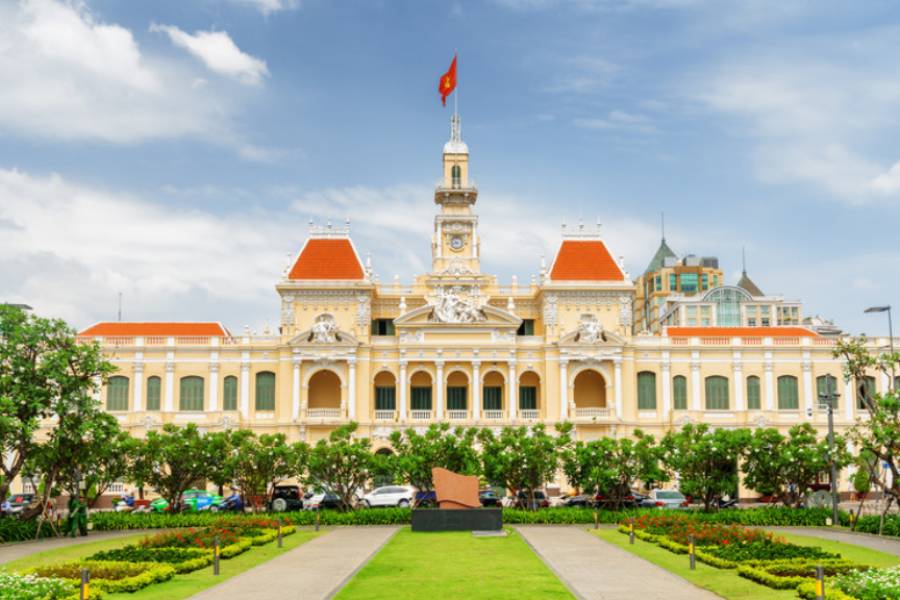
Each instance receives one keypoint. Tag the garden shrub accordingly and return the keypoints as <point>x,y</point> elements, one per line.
<point>31,587</point>
<point>110,576</point>
<point>184,560</point>
<point>807,591</point>
<point>14,529</point>
<point>767,550</point>
<point>193,538</point>
<point>872,584</point>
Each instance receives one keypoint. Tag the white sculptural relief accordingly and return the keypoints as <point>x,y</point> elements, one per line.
<point>589,330</point>
<point>324,330</point>
<point>450,308</point>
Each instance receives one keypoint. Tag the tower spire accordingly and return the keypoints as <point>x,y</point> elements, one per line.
<point>662,224</point>
<point>744,260</point>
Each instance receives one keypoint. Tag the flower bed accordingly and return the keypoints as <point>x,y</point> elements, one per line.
<point>184,560</point>
<point>679,528</point>
<point>785,575</point>
<point>110,576</point>
<point>768,550</point>
<point>194,538</point>
<point>32,587</point>
<point>872,584</point>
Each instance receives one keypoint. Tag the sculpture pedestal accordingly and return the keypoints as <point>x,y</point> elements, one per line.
<point>471,519</point>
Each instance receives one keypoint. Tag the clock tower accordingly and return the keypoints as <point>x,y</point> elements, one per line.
<point>455,246</point>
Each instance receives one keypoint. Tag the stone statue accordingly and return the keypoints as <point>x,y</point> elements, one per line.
<point>324,330</point>
<point>450,308</point>
<point>589,330</point>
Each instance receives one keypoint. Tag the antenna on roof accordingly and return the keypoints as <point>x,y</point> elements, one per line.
<point>662,224</point>
<point>120,306</point>
<point>744,259</point>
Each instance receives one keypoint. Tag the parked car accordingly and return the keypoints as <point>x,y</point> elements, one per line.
<point>630,499</point>
<point>533,500</point>
<point>192,501</point>
<point>390,495</point>
<point>488,498</point>
<point>557,501</point>
<point>285,498</point>
<point>426,498</point>
<point>319,499</point>
<point>16,503</point>
<point>580,501</point>
<point>665,499</point>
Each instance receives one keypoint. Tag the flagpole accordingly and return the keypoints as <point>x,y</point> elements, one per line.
<point>456,91</point>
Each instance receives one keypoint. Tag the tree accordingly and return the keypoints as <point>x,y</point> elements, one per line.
<point>787,467</point>
<point>610,466</point>
<point>341,464</point>
<point>417,454</point>
<point>258,463</point>
<point>705,461</point>
<point>218,448</point>
<point>44,372</point>
<point>523,459</point>
<point>173,459</point>
<point>880,433</point>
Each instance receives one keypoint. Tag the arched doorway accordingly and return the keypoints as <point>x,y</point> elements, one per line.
<point>529,395</point>
<point>324,394</point>
<point>420,395</point>
<point>590,394</point>
<point>457,396</point>
<point>385,394</point>
<point>492,393</point>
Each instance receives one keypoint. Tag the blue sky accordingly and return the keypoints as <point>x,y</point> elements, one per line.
<point>175,150</point>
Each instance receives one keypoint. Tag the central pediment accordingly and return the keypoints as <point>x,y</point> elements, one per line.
<point>486,317</point>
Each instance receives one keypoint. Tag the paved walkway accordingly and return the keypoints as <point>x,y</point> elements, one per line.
<point>16,550</point>
<point>596,570</point>
<point>313,571</point>
<point>888,544</point>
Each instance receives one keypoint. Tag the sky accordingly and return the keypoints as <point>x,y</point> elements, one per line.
<point>175,151</point>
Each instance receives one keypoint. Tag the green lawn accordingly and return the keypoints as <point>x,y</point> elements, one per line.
<point>68,553</point>
<point>454,565</point>
<point>849,551</point>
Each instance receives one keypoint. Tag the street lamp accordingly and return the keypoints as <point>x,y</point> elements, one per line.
<point>887,309</point>
<point>829,398</point>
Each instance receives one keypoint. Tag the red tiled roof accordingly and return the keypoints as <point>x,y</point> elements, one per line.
<point>327,259</point>
<point>740,332</point>
<point>585,260</point>
<point>117,328</point>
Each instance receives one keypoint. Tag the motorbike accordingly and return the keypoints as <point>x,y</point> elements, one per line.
<point>232,503</point>
<point>125,504</point>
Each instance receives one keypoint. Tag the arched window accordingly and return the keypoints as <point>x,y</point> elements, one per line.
<point>420,391</point>
<point>753,402</point>
<point>529,384</point>
<point>728,302</point>
<point>457,391</point>
<point>679,389</point>
<point>826,391</point>
<point>646,383</point>
<point>190,395</point>
<point>229,402</point>
<point>492,391</point>
<point>865,388</point>
<point>788,398</point>
<point>153,392</point>
<point>385,391</point>
<point>117,393</point>
<point>265,391</point>
<point>456,175</point>
<point>716,393</point>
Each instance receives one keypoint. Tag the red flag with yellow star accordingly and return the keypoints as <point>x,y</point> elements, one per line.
<point>448,82</point>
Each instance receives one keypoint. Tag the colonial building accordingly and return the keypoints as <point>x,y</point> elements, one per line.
<point>458,346</point>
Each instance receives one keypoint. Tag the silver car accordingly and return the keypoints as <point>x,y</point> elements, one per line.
<point>666,499</point>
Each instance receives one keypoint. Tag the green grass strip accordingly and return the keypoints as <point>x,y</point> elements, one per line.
<point>70,553</point>
<point>851,552</point>
<point>454,565</point>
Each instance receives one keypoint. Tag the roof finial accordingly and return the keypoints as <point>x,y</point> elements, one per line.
<point>744,260</point>
<point>662,224</point>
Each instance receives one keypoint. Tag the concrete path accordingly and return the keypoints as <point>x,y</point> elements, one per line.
<point>888,544</point>
<point>15,550</point>
<point>313,571</point>
<point>596,570</point>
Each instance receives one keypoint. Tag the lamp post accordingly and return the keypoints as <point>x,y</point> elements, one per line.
<point>887,309</point>
<point>829,397</point>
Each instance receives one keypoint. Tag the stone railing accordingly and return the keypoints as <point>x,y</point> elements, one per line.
<point>420,415</point>
<point>592,412</point>
<point>324,413</point>
<point>457,415</point>
<point>493,415</point>
<point>384,415</point>
<point>529,414</point>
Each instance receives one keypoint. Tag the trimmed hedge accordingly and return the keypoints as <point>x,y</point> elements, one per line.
<point>14,529</point>
<point>807,591</point>
<point>869,524</point>
<point>184,560</point>
<point>767,516</point>
<point>111,576</point>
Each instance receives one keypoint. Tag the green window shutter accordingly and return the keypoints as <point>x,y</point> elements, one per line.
<point>456,398</point>
<point>826,385</point>
<point>190,393</point>
<point>421,398</point>
<point>528,398</point>
<point>492,398</point>
<point>153,393</point>
<point>385,398</point>
<point>716,393</point>
<point>265,391</point>
<point>788,398</point>
<point>117,393</point>
<point>229,402</point>
<point>753,402</point>
<point>864,388</point>
<point>679,387</point>
<point>646,390</point>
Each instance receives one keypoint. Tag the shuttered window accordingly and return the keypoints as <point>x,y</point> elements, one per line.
<point>646,390</point>
<point>493,399</point>
<point>230,400</point>
<point>421,398</point>
<point>456,398</point>
<point>865,388</point>
<point>117,393</point>
<point>788,397</point>
<point>190,396</point>
<point>528,397</point>
<point>826,385</point>
<point>385,398</point>
<point>753,401</point>
<point>265,391</point>
<point>716,393</point>
<point>679,388</point>
<point>153,393</point>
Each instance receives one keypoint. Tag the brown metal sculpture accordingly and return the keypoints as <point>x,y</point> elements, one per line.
<point>455,491</point>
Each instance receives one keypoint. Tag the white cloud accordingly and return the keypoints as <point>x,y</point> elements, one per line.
<point>218,52</point>
<point>267,7</point>
<point>618,120</point>
<point>68,76</point>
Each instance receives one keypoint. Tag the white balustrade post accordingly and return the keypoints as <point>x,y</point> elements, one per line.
<point>476,389</point>
<point>511,389</point>
<point>769,375</point>
<point>808,390</point>
<point>169,402</point>
<point>213,386</point>
<point>666,385</point>
<point>617,380</point>
<point>439,404</point>
<point>295,388</point>
<point>404,415</point>
<point>695,381</point>
<point>737,378</point>
<point>245,385</point>
<point>351,393</point>
<point>563,389</point>
<point>138,385</point>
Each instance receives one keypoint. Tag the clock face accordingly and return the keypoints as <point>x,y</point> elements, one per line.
<point>456,242</point>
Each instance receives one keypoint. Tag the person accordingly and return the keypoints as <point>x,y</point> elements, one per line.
<point>77,520</point>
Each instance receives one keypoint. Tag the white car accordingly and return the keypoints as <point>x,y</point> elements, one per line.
<point>390,495</point>
<point>666,499</point>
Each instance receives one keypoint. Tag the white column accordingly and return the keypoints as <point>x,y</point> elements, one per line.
<point>351,393</point>
<point>849,400</point>
<point>695,382</point>
<point>617,380</point>
<point>770,385</point>
<point>295,388</point>
<point>885,383</point>
<point>245,386</point>
<point>439,392</point>
<point>137,404</point>
<point>404,415</point>
<point>169,401</point>
<point>476,389</point>
<point>511,390</point>
<point>737,378</point>
<point>808,389</point>
<point>213,386</point>
<point>666,384</point>
<point>563,389</point>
